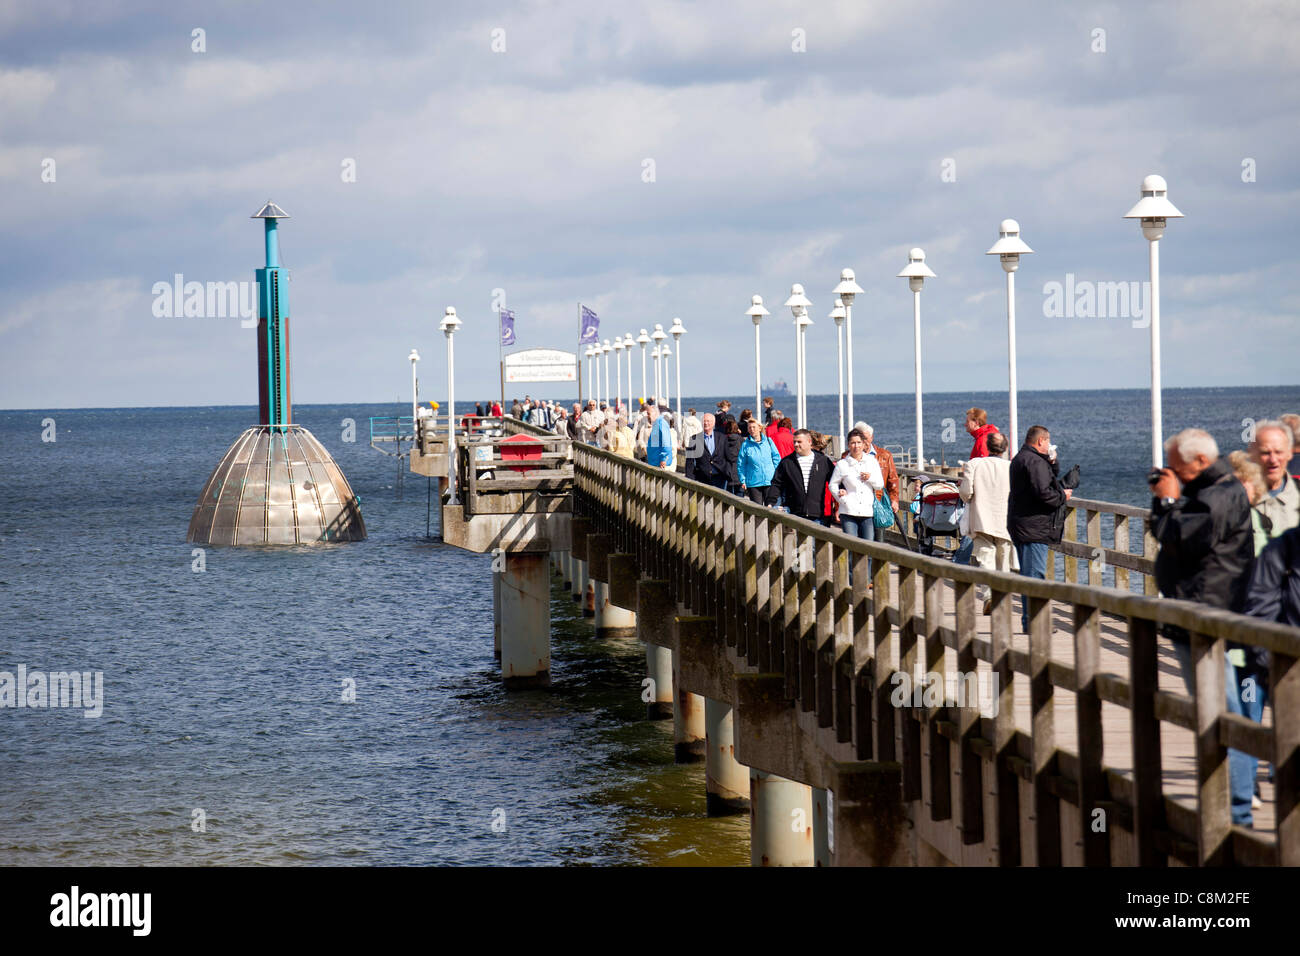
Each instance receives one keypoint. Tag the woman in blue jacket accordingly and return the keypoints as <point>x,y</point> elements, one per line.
<point>756,463</point>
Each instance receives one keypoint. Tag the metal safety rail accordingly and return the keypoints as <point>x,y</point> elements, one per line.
<point>797,602</point>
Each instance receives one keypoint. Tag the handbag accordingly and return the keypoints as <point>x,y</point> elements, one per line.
<point>882,516</point>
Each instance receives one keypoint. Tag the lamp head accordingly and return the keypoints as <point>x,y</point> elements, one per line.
<point>1154,208</point>
<point>450,322</point>
<point>838,312</point>
<point>658,334</point>
<point>756,310</point>
<point>677,330</point>
<point>643,340</point>
<point>1009,247</point>
<point>797,300</point>
<point>847,288</point>
<point>916,271</point>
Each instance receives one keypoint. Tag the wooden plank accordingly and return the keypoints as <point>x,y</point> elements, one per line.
<point>1004,731</point>
<point>968,718</point>
<point>843,671</point>
<point>824,633</point>
<point>1071,535</point>
<point>1087,711</point>
<point>1092,527</point>
<point>1047,807</point>
<point>940,750</point>
<point>1284,689</point>
<point>884,663</point>
<point>907,661</point>
<point>1214,812</point>
<point>1121,545</point>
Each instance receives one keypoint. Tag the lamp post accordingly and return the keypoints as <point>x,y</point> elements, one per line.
<point>606,350</point>
<point>658,335</point>
<point>415,396</point>
<point>643,340</point>
<point>582,400</point>
<point>1010,247</point>
<point>450,323</point>
<point>1154,208</point>
<point>618,372</point>
<point>802,323</point>
<point>665,351</point>
<point>846,290</point>
<point>756,312</point>
<point>838,314</point>
<point>629,344</point>
<point>798,304</point>
<point>916,272</point>
<point>677,330</point>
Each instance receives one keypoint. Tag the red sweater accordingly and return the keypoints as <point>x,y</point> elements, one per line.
<point>784,441</point>
<point>981,449</point>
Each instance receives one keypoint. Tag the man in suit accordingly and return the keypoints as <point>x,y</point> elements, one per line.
<point>706,459</point>
<point>801,479</point>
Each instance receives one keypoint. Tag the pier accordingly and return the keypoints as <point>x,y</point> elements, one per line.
<point>851,696</point>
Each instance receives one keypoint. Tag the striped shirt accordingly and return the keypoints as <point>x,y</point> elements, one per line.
<point>805,465</point>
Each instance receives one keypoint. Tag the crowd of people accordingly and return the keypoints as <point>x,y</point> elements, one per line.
<point>1228,529</point>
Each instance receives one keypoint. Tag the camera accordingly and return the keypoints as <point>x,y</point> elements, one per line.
<point>1154,475</point>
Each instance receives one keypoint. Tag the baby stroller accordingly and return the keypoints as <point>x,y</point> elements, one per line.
<point>935,508</point>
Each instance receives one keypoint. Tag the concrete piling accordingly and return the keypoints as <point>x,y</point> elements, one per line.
<point>689,743</point>
<point>576,575</point>
<point>780,821</point>
<point>726,779</point>
<point>821,824</point>
<point>524,601</point>
<point>658,694</point>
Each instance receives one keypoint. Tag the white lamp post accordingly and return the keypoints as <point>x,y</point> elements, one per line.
<point>756,312</point>
<point>606,350</point>
<point>450,323</point>
<point>643,340</point>
<point>677,330</point>
<point>1010,247</point>
<point>838,314</point>
<point>658,335</point>
<point>629,344</point>
<point>415,395</point>
<point>846,290</point>
<point>1154,208</point>
<point>666,350</point>
<point>916,272</point>
<point>798,304</point>
<point>803,322</point>
<point>587,353</point>
<point>618,371</point>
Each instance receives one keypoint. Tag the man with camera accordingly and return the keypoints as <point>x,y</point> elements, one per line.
<point>1200,515</point>
<point>1035,506</point>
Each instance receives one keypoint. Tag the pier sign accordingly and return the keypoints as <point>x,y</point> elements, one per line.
<point>541,365</point>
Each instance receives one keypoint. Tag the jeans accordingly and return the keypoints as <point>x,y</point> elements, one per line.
<point>864,528</point>
<point>963,552</point>
<point>1241,766</point>
<point>1033,564</point>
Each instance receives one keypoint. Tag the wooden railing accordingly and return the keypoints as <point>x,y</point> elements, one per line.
<point>795,598</point>
<point>1099,535</point>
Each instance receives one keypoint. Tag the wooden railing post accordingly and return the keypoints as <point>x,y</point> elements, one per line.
<point>1214,811</point>
<point>1148,793</point>
<point>1047,806</point>
<point>1093,792</point>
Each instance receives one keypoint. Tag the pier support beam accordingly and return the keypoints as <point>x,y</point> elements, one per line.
<point>599,597</point>
<point>612,620</point>
<point>726,780</point>
<point>577,580</point>
<point>871,825</point>
<point>496,614</point>
<point>689,744</point>
<point>821,824</point>
<point>525,606</point>
<point>566,569</point>
<point>584,594</point>
<point>658,694</point>
<point>780,821</point>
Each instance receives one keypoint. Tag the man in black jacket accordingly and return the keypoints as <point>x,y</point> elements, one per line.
<point>706,459</point>
<point>1036,506</point>
<point>801,479</point>
<point>1200,515</point>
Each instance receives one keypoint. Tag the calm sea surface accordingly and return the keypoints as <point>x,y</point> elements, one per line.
<point>223,688</point>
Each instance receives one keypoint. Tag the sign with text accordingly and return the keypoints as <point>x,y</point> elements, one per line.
<point>541,365</point>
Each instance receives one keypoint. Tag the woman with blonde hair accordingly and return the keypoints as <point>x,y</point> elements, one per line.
<point>1251,477</point>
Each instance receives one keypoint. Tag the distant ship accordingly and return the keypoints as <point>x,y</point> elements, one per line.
<point>778,389</point>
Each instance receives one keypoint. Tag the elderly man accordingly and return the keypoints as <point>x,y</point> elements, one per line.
<point>706,458</point>
<point>591,422</point>
<point>1035,506</point>
<point>1272,450</point>
<point>986,487</point>
<point>886,460</point>
<point>1200,516</point>
<point>660,450</point>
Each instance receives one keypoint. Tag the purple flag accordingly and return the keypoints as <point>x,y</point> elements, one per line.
<point>590,327</point>
<point>507,327</point>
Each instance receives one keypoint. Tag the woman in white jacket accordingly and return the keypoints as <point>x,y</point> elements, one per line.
<point>854,484</point>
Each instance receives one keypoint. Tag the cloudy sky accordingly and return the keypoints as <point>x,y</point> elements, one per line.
<point>787,140</point>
